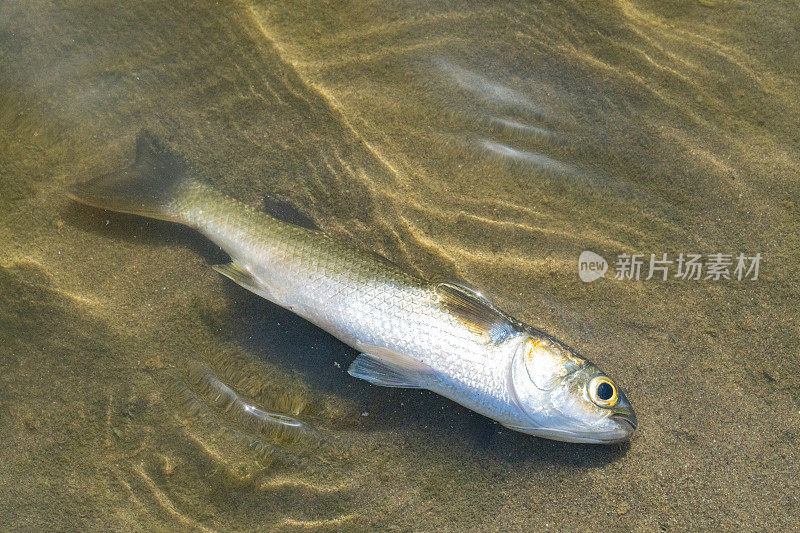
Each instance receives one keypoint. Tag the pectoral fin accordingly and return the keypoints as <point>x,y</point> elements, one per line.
<point>476,312</point>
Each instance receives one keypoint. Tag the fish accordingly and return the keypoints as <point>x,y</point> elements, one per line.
<point>444,336</point>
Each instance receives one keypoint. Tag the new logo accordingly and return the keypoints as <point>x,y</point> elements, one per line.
<point>591,266</point>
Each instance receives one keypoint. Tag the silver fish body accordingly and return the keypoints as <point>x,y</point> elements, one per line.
<point>443,337</point>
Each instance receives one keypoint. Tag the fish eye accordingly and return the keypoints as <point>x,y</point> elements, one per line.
<point>603,392</point>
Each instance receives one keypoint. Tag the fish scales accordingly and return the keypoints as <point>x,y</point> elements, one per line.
<point>353,294</point>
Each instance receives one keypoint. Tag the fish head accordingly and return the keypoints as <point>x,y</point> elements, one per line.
<point>565,397</point>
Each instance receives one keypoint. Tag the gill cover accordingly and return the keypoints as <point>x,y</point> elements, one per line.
<point>547,363</point>
<point>540,365</point>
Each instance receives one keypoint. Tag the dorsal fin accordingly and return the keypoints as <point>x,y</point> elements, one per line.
<point>286,211</point>
<point>476,312</point>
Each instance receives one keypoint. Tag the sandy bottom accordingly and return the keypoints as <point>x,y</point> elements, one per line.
<point>492,143</point>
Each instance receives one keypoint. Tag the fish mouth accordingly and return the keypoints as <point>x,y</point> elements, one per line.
<point>621,429</point>
<point>566,435</point>
<point>628,419</point>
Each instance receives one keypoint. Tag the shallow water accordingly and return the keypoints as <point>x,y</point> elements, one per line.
<point>493,143</point>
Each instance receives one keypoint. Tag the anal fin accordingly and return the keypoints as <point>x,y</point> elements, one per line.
<point>240,275</point>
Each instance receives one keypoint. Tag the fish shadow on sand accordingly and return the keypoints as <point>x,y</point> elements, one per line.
<point>140,230</point>
<point>298,347</point>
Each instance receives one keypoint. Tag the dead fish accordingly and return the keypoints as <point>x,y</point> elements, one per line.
<point>442,336</point>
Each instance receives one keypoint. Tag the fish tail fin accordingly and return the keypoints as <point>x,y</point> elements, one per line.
<point>148,187</point>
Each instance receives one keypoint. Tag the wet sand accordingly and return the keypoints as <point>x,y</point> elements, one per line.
<point>493,144</point>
